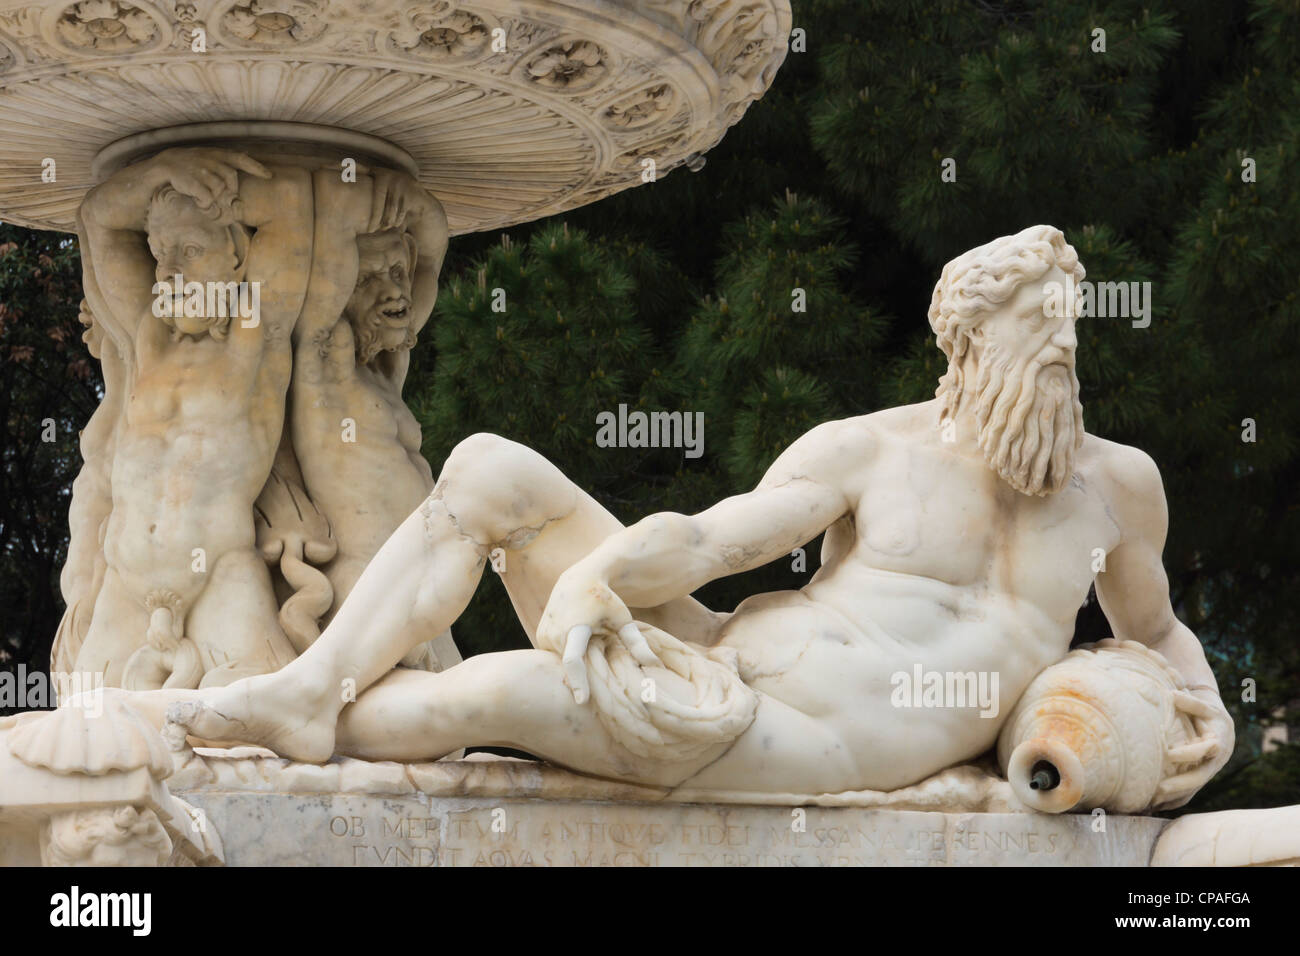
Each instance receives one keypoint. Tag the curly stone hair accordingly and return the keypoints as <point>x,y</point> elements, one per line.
<point>223,212</point>
<point>979,280</point>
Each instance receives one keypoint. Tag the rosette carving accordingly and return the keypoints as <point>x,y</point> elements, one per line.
<point>106,26</point>
<point>276,22</point>
<point>569,65</point>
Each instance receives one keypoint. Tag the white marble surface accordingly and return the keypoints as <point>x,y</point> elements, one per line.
<point>1265,837</point>
<point>962,535</point>
<point>270,829</point>
<point>510,112</point>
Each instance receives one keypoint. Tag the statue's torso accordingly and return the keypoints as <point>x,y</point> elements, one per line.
<point>947,569</point>
<point>191,457</point>
<point>359,449</point>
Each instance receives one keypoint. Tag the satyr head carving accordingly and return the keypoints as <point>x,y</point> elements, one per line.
<point>201,244</point>
<point>105,836</point>
<point>380,307</point>
<point>988,311</point>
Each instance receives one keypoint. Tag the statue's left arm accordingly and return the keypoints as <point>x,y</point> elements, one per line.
<point>280,210</point>
<point>668,556</point>
<point>1134,594</point>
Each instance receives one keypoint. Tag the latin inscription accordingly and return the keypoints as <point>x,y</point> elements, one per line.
<point>561,834</point>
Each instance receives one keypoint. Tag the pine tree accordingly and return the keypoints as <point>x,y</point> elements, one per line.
<point>49,386</point>
<point>532,343</point>
<point>781,346</point>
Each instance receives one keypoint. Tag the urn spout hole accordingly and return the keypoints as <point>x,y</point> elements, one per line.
<point>1044,776</point>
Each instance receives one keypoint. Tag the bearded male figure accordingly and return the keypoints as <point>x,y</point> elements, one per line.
<point>376,259</point>
<point>960,535</point>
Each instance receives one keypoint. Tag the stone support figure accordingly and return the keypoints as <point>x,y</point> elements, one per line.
<point>186,598</point>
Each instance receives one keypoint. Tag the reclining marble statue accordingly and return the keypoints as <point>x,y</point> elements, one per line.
<point>961,535</point>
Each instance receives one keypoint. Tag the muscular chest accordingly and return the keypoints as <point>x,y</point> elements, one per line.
<point>952,519</point>
<point>367,413</point>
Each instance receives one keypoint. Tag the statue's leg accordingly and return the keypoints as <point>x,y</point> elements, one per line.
<point>235,623</point>
<point>117,630</point>
<point>492,494</point>
<point>519,699</point>
<point>508,497</point>
<point>510,699</point>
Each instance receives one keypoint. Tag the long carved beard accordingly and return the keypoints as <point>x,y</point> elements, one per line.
<point>1030,422</point>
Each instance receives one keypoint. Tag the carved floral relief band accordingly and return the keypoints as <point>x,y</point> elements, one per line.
<point>510,111</point>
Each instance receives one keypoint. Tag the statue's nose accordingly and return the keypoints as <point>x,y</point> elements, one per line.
<point>1065,339</point>
<point>167,269</point>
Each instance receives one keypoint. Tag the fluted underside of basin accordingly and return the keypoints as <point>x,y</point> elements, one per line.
<point>510,110</point>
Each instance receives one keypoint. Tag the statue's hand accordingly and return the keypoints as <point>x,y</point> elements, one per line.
<point>581,605</point>
<point>1206,753</point>
<point>396,197</point>
<point>204,174</point>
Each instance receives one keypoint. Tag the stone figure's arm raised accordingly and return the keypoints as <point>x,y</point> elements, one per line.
<point>116,331</point>
<point>342,213</point>
<point>1134,594</point>
<point>115,213</point>
<point>667,556</point>
<point>280,211</point>
<point>399,202</point>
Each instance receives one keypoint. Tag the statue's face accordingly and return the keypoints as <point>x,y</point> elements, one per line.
<point>1021,329</point>
<point>1028,412</point>
<point>185,242</point>
<point>380,307</point>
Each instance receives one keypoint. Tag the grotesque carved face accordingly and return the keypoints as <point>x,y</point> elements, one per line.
<point>380,307</point>
<point>1027,394</point>
<point>198,245</point>
<point>106,836</point>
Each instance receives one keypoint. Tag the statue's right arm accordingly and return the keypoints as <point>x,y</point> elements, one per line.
<point>117,269</point>
<point>668,556</point>
<point>805,491</point>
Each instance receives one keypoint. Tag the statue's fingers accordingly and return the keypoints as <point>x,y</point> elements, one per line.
<point>248,164</point>
<point>229,176</point>
<point>377,204</point>
<point>392,202</point>
<point>1189,703</point>
<point>574,662</point>
<point>194,187</point>
<point>211,182</point>
<point>1195,751</point>
<point>632,638</point>
<point>1177,786</point>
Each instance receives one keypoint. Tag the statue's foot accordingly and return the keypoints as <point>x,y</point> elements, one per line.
<point>262,711</point>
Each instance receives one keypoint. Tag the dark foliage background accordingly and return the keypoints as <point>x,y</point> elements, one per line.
<point>676,295</point>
